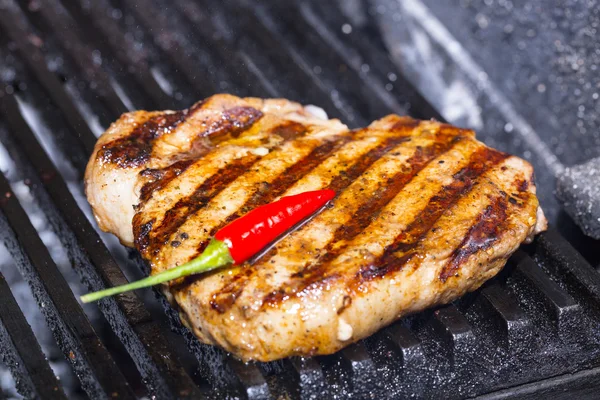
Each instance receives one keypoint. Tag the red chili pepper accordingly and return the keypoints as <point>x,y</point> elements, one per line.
<point>246,236</point>
<point>237,241</point>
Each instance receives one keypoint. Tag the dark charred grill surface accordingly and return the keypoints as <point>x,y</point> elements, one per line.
<point>74,66</point>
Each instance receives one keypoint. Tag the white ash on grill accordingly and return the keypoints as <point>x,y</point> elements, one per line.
<point>578,188</point>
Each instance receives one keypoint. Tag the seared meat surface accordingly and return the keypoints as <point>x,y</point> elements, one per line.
<point>424,213</point>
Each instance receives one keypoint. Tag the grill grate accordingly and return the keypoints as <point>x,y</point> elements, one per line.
<point>22,352</point>
<point>95,60</point>
<point>74,334</point>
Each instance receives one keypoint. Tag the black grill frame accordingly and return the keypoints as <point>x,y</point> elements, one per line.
<point>267,52</point>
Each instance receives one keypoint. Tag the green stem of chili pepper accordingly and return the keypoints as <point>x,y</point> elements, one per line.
<point>216,255</point>
<point>238,241</point>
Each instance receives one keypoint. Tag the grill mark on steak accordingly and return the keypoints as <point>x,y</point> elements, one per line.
<point>346,177</point>
<point>363,217</point>
<point>365,161</point>
<point>405,123</point>
<point>141,235</point>
<point>289,130</point>
<point>422,157</point>
<point>270,191</point>
<point>159,178</point>
<point>135,149</point>
<point>178,214</point>
<point>523,184</point>
<point>232,123</point>
<point>481,236</point>
<point>402,250</point>
<point>225,298</point>
<point>397,254</point>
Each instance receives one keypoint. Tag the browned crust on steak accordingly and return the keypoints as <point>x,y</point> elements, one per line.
<point>481,236</point>
<point>423,213</point>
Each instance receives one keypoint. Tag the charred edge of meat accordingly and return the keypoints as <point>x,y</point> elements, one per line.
<point>221,302</point>
<point>404,123</point>
<point>135,149</point>
<point>481,236</point>
<point>142,235</point>
<point>289,130</point>
<point>523,185</point>
<point>520,196</point>
<point>161,177</point>
<point>232,123</point>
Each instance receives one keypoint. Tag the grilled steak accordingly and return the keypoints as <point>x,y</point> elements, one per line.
<point>424,213</point>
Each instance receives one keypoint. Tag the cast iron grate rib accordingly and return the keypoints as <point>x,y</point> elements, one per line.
<point>76,337</point>
<point>534,322</point>
<point>22,353</point>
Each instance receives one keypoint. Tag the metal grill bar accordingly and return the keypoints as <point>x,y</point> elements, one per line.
<point>243,373</point>
<point>108,37</point>
<point>239,65</point>
<point>562,308</point>
<point>403,97</point>
<point>22,353</point>
<point>355,359</point>
<point>34,58</point>
<point>349,85</point>
<point>309,377</point>
<point>561,259</point>
<point>322,38</point>
<point>455,332</point>
<point>61,25</point>
<point>91,361</point>
<point>93,261</point>
<point>250,379</point>
<point>513,324</point>
<point>408,346</point>
<point>257,34</point>
<point>155,22</point>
